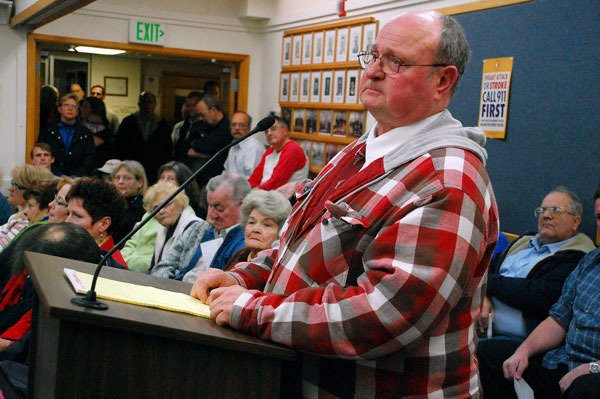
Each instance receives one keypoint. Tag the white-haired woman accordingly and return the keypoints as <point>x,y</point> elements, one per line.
<point>144,250</point>
<point>262,215</point>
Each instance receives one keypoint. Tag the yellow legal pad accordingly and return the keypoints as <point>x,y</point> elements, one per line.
<point>138,294</point>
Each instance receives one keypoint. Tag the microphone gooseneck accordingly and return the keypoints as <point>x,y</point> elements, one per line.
<point>90,300</point>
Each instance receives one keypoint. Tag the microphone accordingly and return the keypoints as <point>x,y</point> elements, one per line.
<point>90,300</point>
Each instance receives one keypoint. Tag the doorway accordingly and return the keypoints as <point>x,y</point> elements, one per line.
<point>234,81</point>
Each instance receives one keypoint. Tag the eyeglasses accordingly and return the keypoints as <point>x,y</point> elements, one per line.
<point>389,64</point>
<point>16,186</point>
<point>70,106</point>
<point>236,124</point>
<point>556,210</point>
<point>58,202</point>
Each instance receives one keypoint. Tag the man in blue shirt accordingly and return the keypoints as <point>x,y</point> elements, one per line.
<point>571,335</point>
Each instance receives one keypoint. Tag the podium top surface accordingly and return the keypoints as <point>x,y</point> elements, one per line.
<point>55,294</point>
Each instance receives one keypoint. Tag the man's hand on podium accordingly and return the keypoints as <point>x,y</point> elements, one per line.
<point>221,301</point>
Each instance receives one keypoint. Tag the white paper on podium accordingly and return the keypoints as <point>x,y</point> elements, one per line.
<point>523,389</point>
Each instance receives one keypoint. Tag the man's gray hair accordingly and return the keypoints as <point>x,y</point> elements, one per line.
<point>454,48</point>
<point>272,204</point>
<point>575,205</point>
<point>239,186</point>
<point>211,102</point>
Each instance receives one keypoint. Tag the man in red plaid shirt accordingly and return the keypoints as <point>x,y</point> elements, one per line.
<point>380,268</point>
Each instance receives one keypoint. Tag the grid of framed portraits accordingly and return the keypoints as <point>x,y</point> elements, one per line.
<point>332,43</point>
<point>326,122</point>
<point>331,86</point>
<point>318,85</point>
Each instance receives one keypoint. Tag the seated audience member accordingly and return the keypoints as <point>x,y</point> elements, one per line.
<point>105,172</point>
<point>61,239</point>
<point>5,209</point>
<point>526,280</point>
<point>561,357</point>
<point>36,209</point>
<point>144,137</point>
<point>283,162</point>
<point>93,117</point>
<point>213,136</point>
<point>41,155</point>
<point>219,239</point>
<point>113,120</point>
<point>57,208</point>
<point>130,180</point>
<point>262,215</point>
<point>24,177</point>
<point>177,173</point>
<point>172,220</point>
<point>96,206</point>
<point>243,158</point>
<point>72,143</point>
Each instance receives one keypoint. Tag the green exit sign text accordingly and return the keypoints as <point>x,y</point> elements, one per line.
<point>145,32</point>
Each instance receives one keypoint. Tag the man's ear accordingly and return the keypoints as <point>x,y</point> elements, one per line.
<point>446,79</point>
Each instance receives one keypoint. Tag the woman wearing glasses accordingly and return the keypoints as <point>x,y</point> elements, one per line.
<point>129,177</point>
<point>72,143</point>
<point>57,208</point>
<point>24,177</point>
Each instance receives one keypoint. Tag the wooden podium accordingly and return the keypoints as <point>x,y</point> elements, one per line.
<point>130,351</point>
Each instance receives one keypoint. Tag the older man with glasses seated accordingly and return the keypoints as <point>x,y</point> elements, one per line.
<point>526,280</point>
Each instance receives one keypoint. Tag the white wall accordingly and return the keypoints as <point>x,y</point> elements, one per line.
<point>102,66</point>
<point>13,100</point>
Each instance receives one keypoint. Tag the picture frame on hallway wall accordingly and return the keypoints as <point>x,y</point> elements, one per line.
<point>315,92</point>
<point>297,46</point>
<point>307,41</point>
<point>284,87</point>
<point>329,55</point>
<point>327,86</point>
<point>116,86</point>
<point>318,39</point>
<point>286,53</point>
<point>341,52</point>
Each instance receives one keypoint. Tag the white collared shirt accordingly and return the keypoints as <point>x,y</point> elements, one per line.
<point>379,146</point>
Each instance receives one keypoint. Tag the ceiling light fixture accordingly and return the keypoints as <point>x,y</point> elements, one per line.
<point>95,50</point>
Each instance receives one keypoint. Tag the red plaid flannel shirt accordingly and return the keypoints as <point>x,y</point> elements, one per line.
<point>381,290</point>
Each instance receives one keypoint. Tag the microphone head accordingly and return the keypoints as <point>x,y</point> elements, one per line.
<point>265,123</point>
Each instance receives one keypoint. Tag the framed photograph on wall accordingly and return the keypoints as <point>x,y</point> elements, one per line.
<point>357,123</point>
<point>326,86</point>
<point>284,87</point>
<point>286,53</point>
<point>115,86</point>
<point>315,78</point>
<point>331,150</point>
<point>286,113</point>
<point>355,45</point>
<point>317,156</point>
<point>325,121</point>
<point>341,52</point>
<point>311,121</point>
<point>318,40</point>
<point>307,48</point>
<point>340,123</point>
<point>329,46</point>
<point>306,144</point>
<point>297,50</point>
<point>304,86</point>
<point>298,121</point>
<point>338,86</point>
<point>294,85</point>
<point>368,36</point>
<point>352,86</point>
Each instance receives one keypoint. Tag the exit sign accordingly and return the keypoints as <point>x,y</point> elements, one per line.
<point>147,32</point>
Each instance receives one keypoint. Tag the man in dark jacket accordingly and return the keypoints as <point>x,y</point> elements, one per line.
<point>72,144</point>
<point>527,279</point>
<point>145,138</point>
<point>214,135</point>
